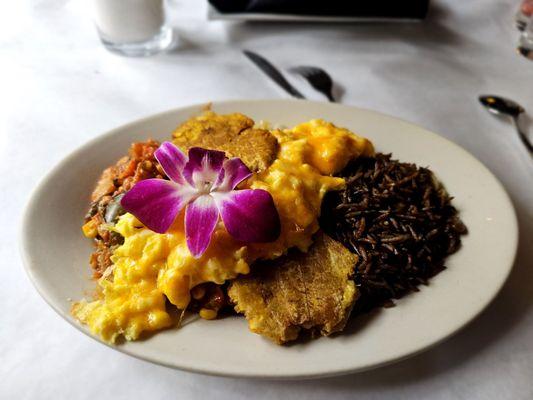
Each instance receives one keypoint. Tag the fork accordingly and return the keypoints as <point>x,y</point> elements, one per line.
<point>318,78</point>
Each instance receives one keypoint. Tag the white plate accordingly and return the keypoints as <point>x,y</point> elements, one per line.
<point>56,253</point>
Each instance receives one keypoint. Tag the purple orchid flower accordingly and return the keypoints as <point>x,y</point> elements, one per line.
<point>205,183</point>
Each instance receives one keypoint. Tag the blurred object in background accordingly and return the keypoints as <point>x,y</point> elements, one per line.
<point>525,24</point>
<point>525,44</point>
<point>523,14</point>
<point>527,7</point>
<point>132,27</point>
<point>316,9</point>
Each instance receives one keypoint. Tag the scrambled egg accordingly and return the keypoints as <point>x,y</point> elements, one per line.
<point>150,267</point>
<point>300,177</point>
<point>328,147</point>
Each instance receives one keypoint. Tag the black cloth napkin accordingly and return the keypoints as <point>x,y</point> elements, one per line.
<point>413,9</point>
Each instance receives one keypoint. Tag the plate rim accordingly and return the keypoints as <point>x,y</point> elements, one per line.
<point>29,266</point>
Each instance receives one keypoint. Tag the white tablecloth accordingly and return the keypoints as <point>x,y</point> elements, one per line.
<point>59,88</point>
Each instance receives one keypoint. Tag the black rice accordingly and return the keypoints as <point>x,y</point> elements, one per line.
<point>400,222</point>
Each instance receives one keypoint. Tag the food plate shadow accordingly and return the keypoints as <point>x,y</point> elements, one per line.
<point>488,330</point>
<point>358,323</point>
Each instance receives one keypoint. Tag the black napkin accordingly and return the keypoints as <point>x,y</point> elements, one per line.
<point>413,9</point>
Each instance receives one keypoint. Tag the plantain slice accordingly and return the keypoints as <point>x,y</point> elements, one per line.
<point>232,133</point>
<point>311,291</point>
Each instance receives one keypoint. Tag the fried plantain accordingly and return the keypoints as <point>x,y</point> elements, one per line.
<point>231,133</point>
<point>311,291</point>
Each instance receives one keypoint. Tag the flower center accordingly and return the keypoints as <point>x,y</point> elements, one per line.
<point>204,187</point>
<point>204,180</point>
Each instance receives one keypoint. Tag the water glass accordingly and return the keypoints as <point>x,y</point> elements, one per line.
<point>132,27</point>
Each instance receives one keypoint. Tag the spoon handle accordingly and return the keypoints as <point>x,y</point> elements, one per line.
<point>522,135</point>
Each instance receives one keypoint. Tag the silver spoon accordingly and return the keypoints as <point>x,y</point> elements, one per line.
<point>502,106</point>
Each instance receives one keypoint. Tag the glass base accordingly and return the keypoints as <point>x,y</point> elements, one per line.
<point>160,42</point>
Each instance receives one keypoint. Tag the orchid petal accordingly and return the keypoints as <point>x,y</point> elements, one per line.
<point>156,202</point>
<point>235,171</point>
<point>204,167</point>
<point>249,215</point>
<point>201,218</point>
<point>172,160</point>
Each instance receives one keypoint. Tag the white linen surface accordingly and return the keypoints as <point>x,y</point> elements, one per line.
<point>59,87</point>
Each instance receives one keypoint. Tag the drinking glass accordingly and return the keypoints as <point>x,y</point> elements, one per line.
<point>132,27</point>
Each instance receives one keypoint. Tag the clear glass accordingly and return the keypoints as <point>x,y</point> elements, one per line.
<point>160,42</point>
<point>521,20</point>
<point>525,44</point>
<point>132,27</point>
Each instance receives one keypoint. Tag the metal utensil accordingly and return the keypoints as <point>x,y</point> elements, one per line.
<point>502,106</point>
<point>318,78</point>
<point>273,73</point>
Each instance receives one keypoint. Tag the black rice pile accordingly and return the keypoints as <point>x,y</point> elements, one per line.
<point>398,219</point>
